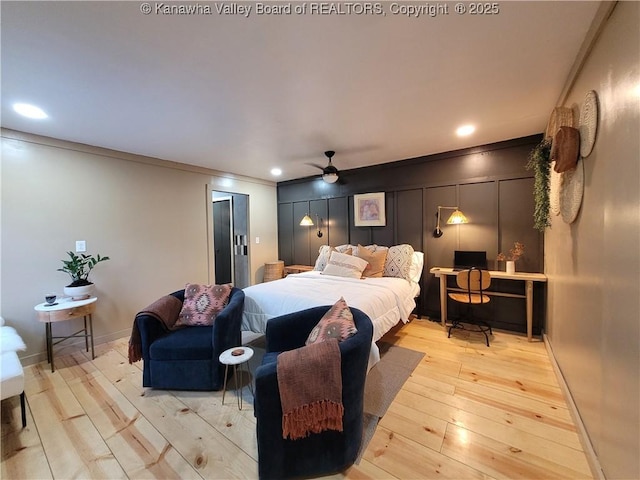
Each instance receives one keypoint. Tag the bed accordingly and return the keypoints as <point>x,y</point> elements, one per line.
<point>386,300</point>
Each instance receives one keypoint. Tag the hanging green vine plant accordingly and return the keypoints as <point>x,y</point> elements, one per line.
<point>539,162</point>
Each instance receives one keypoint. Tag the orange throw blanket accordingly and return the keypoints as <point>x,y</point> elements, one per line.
<point>166,311</point>
<point>310,383</point>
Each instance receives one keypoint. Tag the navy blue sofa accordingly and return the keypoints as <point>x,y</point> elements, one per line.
<point>187,358</point>
<point>318,454</point>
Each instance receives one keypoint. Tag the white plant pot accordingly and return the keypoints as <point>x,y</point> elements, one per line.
<point>511,267</point>
<point>79,293</point>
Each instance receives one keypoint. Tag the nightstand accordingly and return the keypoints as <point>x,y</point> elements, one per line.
<point>297,269</point>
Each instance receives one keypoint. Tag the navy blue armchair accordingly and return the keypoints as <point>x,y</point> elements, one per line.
<point>187,358</point>
<point>321,453</point>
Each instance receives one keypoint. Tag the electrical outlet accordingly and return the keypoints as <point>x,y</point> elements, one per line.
<point>81,246</point>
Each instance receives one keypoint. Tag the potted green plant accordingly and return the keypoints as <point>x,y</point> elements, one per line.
<point>540,163</point>
<point>78,267</point>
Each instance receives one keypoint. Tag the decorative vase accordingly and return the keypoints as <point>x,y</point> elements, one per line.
<point>79,293</point>
<point>511,267</point>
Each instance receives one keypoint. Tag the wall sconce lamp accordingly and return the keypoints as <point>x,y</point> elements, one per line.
<point>456,218</point>
<point>307,222</point>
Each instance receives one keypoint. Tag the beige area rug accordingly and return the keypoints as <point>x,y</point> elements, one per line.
<point>384,381</point>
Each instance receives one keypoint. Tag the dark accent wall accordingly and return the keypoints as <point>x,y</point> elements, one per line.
<point>490,184</point>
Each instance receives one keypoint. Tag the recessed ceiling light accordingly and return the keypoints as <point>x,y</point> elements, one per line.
<point>276,172</point>
<point>29,111</point>
<point>465,130</point>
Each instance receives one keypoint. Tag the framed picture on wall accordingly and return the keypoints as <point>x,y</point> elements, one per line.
<point>368,210</point>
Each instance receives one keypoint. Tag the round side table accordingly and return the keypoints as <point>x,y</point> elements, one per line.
<point>236,356</point>
<point>66,309</point>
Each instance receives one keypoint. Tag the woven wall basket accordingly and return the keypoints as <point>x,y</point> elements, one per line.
<point>571,191</point>
<point>588,123</point>
<point>554,191</point>
<point>560,117</point>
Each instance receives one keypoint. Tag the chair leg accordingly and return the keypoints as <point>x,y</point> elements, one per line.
<point>23,408</point>
<point>486,336</point>
<point>468,317</point>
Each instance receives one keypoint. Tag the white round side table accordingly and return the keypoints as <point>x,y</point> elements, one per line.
<point>236,356</point>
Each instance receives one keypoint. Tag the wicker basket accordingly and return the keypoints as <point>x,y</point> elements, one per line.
<point>560,117</point>
<point>273,270</point>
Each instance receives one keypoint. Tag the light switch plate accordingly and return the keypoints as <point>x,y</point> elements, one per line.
<point>81,246</point>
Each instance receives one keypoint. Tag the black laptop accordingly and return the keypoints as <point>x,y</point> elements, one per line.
<point>465,259</point>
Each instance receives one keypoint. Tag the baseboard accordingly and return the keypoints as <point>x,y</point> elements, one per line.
<point>592,457</point>
<point>98,340</point>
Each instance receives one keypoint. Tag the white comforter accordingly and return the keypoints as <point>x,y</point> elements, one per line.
<point>385,300</point>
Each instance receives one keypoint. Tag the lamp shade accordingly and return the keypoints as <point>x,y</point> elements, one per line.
<point>330,177</point>
<point>457,217</point>
<point>306,221</point>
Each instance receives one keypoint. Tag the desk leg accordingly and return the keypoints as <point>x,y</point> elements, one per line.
<point>529,289</point>
<point>443,300</point>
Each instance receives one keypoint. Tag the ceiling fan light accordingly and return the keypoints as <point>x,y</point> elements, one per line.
<point>330,177</point>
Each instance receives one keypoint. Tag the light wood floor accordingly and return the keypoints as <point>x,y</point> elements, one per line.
<point>468,411</point>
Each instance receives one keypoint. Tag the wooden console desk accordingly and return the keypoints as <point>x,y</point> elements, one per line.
<point>528,278</point>
<point>66,309</point>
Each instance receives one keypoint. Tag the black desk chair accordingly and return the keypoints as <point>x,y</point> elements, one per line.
<point>473,283</point>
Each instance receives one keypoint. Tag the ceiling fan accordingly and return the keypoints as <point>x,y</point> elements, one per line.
<point>329,173</point>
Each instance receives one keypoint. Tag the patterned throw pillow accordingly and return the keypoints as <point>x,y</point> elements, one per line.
<point>202,304</point>
<point>398,262</point>
<point>343,265</point>
<point>354,248</point>
<point>346,248</point>
<point>376,261</point>
<point>336,323</point>
<point>323,256</point>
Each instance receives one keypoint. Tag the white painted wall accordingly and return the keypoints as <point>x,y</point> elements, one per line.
<point>149,216</point>
<point>593,265</point>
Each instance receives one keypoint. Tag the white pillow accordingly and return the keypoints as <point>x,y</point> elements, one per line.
<point>415,270</point>
<point>343,265</point>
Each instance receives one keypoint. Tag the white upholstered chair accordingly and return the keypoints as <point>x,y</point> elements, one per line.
<point>11,373</point>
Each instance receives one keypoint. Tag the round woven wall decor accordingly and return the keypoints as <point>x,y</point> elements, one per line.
<point>588,123</point>
<point>571,190</point>
<point>560,117</point>
<point>554,191</point>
